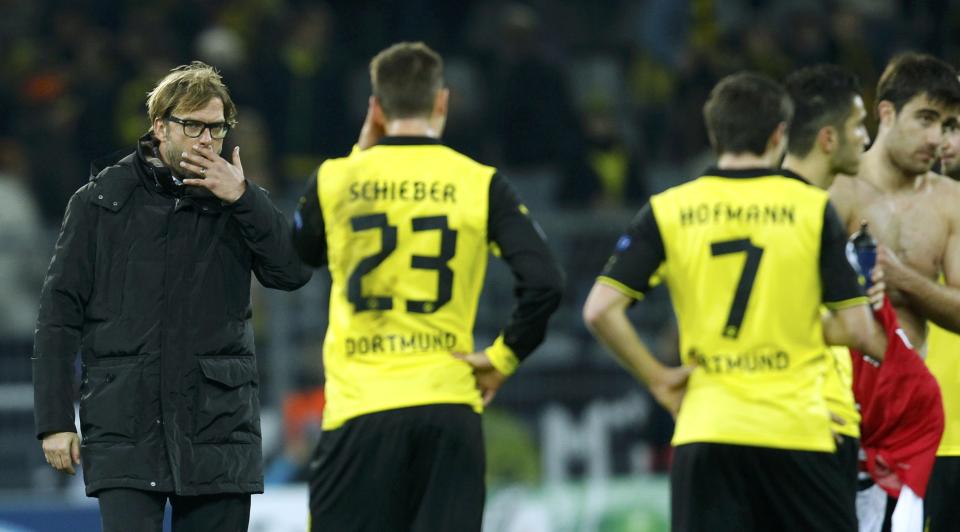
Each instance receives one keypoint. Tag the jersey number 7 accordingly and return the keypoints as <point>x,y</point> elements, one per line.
<point>745,285</point>
<point>388,244</point>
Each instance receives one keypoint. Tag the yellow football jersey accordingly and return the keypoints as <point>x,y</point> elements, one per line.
<point>838,391</point>
<point>748,261</point>
<point>943,359</point>
<point>407,250</point>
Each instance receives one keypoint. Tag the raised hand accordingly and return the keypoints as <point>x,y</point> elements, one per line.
<point>372,130</point>
<point>219,176</point>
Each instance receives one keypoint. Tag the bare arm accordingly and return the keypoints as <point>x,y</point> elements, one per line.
<point>939,303</point>
<point>855,327</point>
<point>605,316</point>
<point>936,302</point>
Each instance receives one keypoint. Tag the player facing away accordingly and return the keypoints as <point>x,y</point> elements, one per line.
<point>911,211</point>
<point>404,225</point>
<point>749,254</point>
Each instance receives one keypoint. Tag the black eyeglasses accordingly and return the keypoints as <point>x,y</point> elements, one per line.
<point>194,128</point>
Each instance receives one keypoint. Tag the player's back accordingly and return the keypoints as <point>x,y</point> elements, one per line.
<point>743,265</point>
<point>406,229</point>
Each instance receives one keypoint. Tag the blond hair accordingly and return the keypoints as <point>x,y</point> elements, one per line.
<point>188,88</point>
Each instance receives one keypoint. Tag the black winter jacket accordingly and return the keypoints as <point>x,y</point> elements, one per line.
<point>150,282</point>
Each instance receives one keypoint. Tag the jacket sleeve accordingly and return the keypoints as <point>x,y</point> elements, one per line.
<point>267,234</point>
<point>538,278</point>
<point>63,300</point>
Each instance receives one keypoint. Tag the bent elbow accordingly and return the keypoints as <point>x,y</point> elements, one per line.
<point>592,316</point>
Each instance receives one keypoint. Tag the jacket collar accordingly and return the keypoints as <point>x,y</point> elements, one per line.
<point>148,170</point>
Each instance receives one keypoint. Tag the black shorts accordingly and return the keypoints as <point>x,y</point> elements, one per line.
<point>941,506</point>
<point>848,462</point>
<point>410,469</point>
<point>717,487</point>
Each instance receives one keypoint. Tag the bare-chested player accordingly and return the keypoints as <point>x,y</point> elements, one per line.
<point>911,211</point>
<point>943,358</point>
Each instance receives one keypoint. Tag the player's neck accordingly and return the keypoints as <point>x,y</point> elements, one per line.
<point>411,127</point>
<point>816,170</point>
<point>878,169</point>
<point>743,161</point>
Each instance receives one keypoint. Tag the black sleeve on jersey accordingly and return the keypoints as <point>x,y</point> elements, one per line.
<point>837,275</point>
<point>638,253</point>
<point>309,238</point>
<point>539,279</point>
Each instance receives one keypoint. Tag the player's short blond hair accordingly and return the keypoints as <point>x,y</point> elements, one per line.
<point>188,88</point>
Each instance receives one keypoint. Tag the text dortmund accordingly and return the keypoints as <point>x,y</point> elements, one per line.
<point>400,343</point>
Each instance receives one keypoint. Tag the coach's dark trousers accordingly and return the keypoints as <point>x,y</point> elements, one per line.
<point>125,510</point>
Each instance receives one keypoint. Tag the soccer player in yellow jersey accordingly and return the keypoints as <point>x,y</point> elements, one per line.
<point>943,359</point>
<point>405,225</point>
<point>912,212</point>
<point>827,137</point>
<point>749,253</point>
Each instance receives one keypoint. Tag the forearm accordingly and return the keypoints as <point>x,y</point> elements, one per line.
<point>856,328</point>
<point>616,333</point>
<point>267,234</point>
<point>833,331</point>
<point>55,349</point>
<point>936,302</point>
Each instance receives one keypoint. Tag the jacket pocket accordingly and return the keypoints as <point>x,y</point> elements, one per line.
<point>109,403</point>
<point>228,406</point>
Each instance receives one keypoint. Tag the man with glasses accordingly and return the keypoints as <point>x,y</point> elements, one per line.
<point>150,282</point>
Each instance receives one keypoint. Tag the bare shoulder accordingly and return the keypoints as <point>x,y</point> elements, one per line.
<point>947,194</point>
<point>844,194</point>
<point>941,184</point>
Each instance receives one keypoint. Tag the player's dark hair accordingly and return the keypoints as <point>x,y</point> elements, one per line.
<point>911,74</point>
<point>406,78</point>
<point>822,96</point>
<point>743,110</point>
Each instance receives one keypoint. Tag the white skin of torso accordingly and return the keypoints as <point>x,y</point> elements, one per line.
<point>914,222</point>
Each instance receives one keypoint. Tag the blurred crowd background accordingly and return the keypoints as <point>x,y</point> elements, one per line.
<point>587,106</point>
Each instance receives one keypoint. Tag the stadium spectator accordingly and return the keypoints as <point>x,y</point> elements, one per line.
<point>150,282</point>
<point>752,441</point>
<point>404,224</point>
<point>20,260</point>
